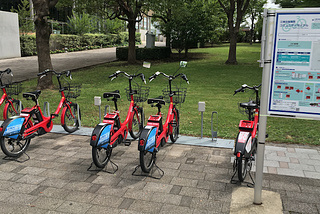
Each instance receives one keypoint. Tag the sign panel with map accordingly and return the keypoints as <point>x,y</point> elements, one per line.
<point>295,69</point>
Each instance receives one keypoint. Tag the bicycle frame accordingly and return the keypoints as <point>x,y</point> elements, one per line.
<point>8,100</point>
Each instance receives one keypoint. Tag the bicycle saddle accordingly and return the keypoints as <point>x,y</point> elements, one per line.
<point>115,94</point>
<point>249,104</point>
<point>34,95</point>
<point>157,100</point>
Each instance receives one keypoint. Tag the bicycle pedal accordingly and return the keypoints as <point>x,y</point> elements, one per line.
<point>267,135</point>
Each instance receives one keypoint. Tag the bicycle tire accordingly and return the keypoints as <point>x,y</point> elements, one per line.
<point>136,126</point>
<point>71,123</point>
<point>175,127</point>
<point>12,145</point>
<point>10,112</point>
<point>146,161</point>
<point>242,168</point>
<point>101,156</point>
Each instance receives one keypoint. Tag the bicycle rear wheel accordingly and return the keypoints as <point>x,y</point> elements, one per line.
<point>101,156</point>
<point>10,112</point>
<point>137,123</point>
<point>71,122</point>
<point>12,147</point>
<point>146,161</point>
<point>175,126</point>
<point>242,167</point>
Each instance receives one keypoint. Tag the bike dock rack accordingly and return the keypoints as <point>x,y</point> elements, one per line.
<point>214,134</point>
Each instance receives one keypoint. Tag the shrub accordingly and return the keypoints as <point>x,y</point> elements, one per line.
<point>155,53</point>
<point>28,45</point>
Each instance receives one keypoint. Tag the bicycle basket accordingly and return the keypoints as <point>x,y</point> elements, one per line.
<point>14,88</point>
<point>72,90</point>
<point>141,95</point>
<point>178,97</point>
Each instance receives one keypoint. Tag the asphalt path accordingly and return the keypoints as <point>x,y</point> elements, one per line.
<point>24,68</point>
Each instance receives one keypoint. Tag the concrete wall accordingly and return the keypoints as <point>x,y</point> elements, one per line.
<point>9,35</point>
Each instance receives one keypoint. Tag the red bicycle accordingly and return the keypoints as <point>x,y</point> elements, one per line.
<point>246,142</point>
<point>16,132</point>
<point>111,132</point>
<point>12,106</point>
<point>154,133</point>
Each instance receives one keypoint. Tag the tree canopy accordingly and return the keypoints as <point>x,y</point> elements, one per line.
<point>297,3</point>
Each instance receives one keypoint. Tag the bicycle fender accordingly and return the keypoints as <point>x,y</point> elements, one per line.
<point>148,135</point>
<point>243,143</point>
<point>12,127</point>
<point>102,133</point>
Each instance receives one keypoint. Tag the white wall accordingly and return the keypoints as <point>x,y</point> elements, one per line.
<point>9,35</point>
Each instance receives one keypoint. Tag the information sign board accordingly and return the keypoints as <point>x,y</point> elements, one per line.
<point>295,66</point>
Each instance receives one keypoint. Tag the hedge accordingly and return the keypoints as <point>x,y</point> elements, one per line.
<point>155,53</point>
<point>60,43</point>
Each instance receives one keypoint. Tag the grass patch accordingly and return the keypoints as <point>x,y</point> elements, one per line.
<point>211,81</point>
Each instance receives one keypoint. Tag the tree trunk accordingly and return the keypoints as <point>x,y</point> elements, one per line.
<point>232,58</point>
<point>132,42</point>
<point>43,32</point>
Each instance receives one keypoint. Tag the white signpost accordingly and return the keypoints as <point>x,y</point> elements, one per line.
<point>290,57</point>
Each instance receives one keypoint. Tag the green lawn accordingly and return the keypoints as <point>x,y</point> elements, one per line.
<point>211,81</point>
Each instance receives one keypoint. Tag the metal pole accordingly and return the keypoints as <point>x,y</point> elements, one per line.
<point>201,124</point>
<point>100,113</point>
<point>264,103</point>
<point>79,118</point>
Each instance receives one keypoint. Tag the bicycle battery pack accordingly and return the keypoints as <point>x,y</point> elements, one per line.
<point>12,127</point>
<point>243,143</point>
<point>102,135</point>
<point>148,135</point>
<point>155,120</point>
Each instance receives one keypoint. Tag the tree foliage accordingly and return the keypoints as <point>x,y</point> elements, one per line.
<point>297,3</point>
<point>81,23</point>
<point>25,21</point>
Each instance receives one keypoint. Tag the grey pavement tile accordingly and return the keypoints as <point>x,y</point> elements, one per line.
<point>314,156</point>
<point>54,182</point>
<point>146,206</point>
<point>192,174</point>
<point>22,188</point>
<point>107,180</point>
<point>74,207</point>
<point>207,204</point>
<point>211,185</point>
<point>294,206</point>
<point>38,191</point>
<point>185,201</point>
<point>111,190</point>
<point>91,178</point>
<point>169,165</point>
<point>303,197</point>
<point>52,192</point>
<point>78,186</point>
<point>194,192</point>
<point>215,170</point>
<point>8,167</point>
<point>307,151</point>
<point>166,198</point>
<point>132,184</point>
<point>224,178</point>
<point>315,175</point>
<point>171,172</point>
<point>310,189</point>
<point>275,148</point>
<point>124,211</point>
<point>5,184</point>
<point>310,162</point>
<point>317,168</point>
<point>184,182</point>
<point>191,167</point>
<point>82,197</point>
<point>52,173</point>
<point>301,167</point>
<point>31,179</point>
<point>4,194</point>
<point>103,210</point>
<point>20,198</point>
<point>273,157</point>
<point>75,176</point>
<point>94,188</point>
<point>284,186</point>
<point>126,203</point>
<point>7,175</point>
<point>166,179</point>
<point>172,209</point>
<point>107,200</point>
<point>158,187</point>
<point>290,172</point>
<point>272,163</point>
<point>224,196</point>
<point>47,203</point>
<point>175,190</point>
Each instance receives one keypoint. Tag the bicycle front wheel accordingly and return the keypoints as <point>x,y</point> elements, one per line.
<point>175,127</point>
<point>71,122</point>
<point>12,147</point>
<point>12,110</point>
<point>101,156</point>
<point>242,167</point>
<point>146,161</point>
<point>137,123</point>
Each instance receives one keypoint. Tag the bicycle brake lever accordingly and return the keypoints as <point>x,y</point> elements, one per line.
<point>113,78</point>
<point>70,77</point>
<point>43,76</point>
<point>11,74</point>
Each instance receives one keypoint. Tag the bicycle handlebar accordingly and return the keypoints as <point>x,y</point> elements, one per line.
<point>183,76</point>
<point>44,73</point>
<point>8,71</point>
<point>115,75</point>
<point>245,86</point>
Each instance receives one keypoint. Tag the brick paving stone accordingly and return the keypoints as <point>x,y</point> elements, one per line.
<point>271,163</point>
<point>38,191</point>
<point>284,186</point>
<point>294,160</point>
<point>83,197</point>
<point>54,182</point>
<point>211,185</point>
<point>94,188</point>
<point>74,207</point>
<point>102,210</point>
<point>194,192</point>
<point>31,179</point>
<point>192,174</point>
<point>191,167</point>
<point>4,194</point>
<point>303,197</point>
<point>283,164</point>
<point>272,170</point>
<point>20,198</point>
<point>52,173</point>
<point>308,151</point>
<point>314,156</point>
<point>207,204</point>
<point>126,203</point>
<point>301,167</point>
<point>315,175</point>
<point>158,187</point>
<point>107,201</point>
<point>290,172</point>
<point>175,189</point>
<point>76,176</point>
<point>78,186</point>
<point>146,206</point>
<point>132,184</point>
<point>168,165</point>
<point>111,190</point>
<point>166,198</point>
<point>299,207</point>
<point>185,201</point>
<point>22,188</point>
<point>138,194</point>
<point>281,154</point>
<point>172,209</point>
<point>222,196</point>
<point>184,182</point>
<point>7,175</point>
<point>47,203</point>
<point>291,150</point>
